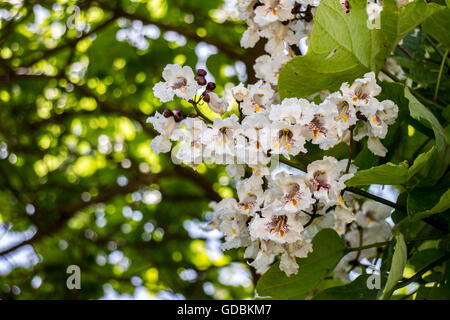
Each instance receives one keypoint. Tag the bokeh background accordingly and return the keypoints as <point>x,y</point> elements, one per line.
<point>79,184</point>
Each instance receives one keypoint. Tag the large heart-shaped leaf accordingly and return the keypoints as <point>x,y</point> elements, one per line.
<point>342,46</point>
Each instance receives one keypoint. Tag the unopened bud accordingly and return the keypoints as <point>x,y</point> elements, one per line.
<point>178,115</point>
<point>201,72</point>
<point>211,86</point>
<point>167,113</point>
<point>206,97</point>
<point>201,80</point>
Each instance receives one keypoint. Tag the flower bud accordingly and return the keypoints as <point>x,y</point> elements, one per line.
<point>167,113</point>
<point>178,115</point>
<point>201,80</point>
<point>201,72</point>
<point>211,86</point>
<point>206,97</point>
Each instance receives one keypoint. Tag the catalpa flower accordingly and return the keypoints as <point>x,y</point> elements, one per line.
<point>285,228</point>
<point>294,193</point>
<point>259,98</point>
<point>179,81</point>
<point>165,126</point>
<point>286,139</point>
<point>327,179</point>
<point>362,90</point>
<point>293,111</point>
<point>273,10</point>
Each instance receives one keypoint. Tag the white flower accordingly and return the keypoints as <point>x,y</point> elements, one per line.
<point>251,146</point>
<point>274,10</point>
<point>235,171</point>
<point>362,90</point>
<point>341,110</point>
<point>264,253</point>
<point>220,139</point>
<point>371,212</point>
<point>375,145</point>
<point>268,68</point>
<point>381,117</point>
<point>276,33</point>
<point>288,261</point>
<point>284,228</point>
<point>165,126</point>
<point>259,98</point>
<point>191,137</point>
<point>286,139</point>
<point>250,36</point>
<point>180,81</point>
<point>293,111</point>
<point>232,223</point>
<point>373,10</point>
<point>216,104</point>
<point>240,92</point>
<point>251,194</point>
<point>294,193</point>
<point>322,129</point>
<point>327,178</point>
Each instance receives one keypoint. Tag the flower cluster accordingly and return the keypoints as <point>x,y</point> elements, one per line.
<point>275,212</point>
<point>284,23</point>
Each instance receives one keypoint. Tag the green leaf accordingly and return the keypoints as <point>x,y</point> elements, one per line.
<point>355,290</point>
<point>398,264</point>
<point>438,26</point>
<point>423,202</point>
<point>328,249</point>
<point>389,174</point>
<point>342,47</point>
<point>442,159</point>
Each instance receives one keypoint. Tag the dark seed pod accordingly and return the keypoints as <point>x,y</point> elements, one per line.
<point>201,80</point>
<point>211,86</point>
<point>201,72</point>
<point>167,113</point>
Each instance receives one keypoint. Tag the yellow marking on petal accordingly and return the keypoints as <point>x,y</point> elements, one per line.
<point>278,76</point>
<point>288,146</point>
<point>213,223</point>
<point>374,119</point>
<point>344,118</point>
<point>355,98</point>
<point>294,202</point>
<point>182,90</point>
<point>257,108</point>
<point>276,145</point>
<point>369,221</point>
<point>258,145</point>
<point>339,229</point>
<point>341,200</point>
<point>274,11</point>
<point>220,142</point>
<point>281,233</point>
<point>246,207</point>
<point>234,231</point>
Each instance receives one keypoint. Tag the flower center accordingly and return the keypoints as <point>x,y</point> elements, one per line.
<point>278,224</point>
<point>320,180</point>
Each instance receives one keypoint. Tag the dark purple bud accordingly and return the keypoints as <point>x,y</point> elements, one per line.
<point>201,72</point>
<point>178,115</point>
<point>296,8</point>
<point>211,86</point>
<point>269,152</point>
<point>167,113</point>
<point>345,6</point>
<point>201,80</point>
<point>192,115</point>
<point>206,97</point>
<point>285,23</point>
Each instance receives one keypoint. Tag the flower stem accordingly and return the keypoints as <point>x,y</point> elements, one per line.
<point>375,198</point>
<point>440,75</point>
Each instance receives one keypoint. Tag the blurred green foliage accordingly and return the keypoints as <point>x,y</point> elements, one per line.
<point>77,172</point>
